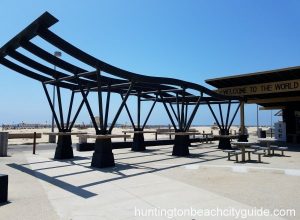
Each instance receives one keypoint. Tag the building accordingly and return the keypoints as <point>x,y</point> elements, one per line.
<point>275,89</point>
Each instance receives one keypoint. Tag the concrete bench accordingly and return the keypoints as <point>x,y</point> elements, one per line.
<point>229,152</point>
<point>263,148</point>
<point>236,153</point>
<point>33,136</point>
<point>255,147</point>
<point>273,148</point>
<point>24,135</point>
<point>249,151</point>
<point>3,188</point>
<point>259,153</point>
<point>282,149</point>
<point>208,136</point>
<point>104,136</point>
<point>233,152</point>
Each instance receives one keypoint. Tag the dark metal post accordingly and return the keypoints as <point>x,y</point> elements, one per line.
<point>221,115</point>
<point>100,105</point>
<point>182,111</point>
<point>128,113</point>
<point>178,109</point>
<point>107,108</point>
<point>60,108</point>
<point>34,142</point>
<point>171,106</point>
<point>211,110</point>
<point>70,110</point>
<point>77,113</point>
<point>52,138</point>
<point>87,104</point>
<point>51,106</point>
<point>139,110</point>
<point>186,114</point>
<point>227,116</point>
<point>52,125</point>
<point>168,112</point>
<point>120,108</point>
<point>147,118</point>
<point>193,113</point>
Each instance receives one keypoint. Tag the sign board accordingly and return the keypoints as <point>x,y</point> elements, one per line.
<point>263,88</point>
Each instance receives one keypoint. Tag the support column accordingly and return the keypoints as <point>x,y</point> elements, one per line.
<point>243,136</point>
<point>181,145</point>
<point>138,143</point>
<point>64,148</point>
<point>103,155</point>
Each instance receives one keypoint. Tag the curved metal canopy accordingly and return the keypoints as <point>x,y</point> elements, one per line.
<point>76,78</point>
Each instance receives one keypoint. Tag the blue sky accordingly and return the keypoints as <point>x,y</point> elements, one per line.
<point>190,40</point>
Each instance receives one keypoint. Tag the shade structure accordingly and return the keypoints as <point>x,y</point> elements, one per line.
<point>100,77</point>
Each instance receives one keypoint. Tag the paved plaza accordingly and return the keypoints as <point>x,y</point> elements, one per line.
<point>43,188</point>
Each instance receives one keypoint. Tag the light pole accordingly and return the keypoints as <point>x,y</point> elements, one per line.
<point>52,138</point>
<point>271,122</point>
<point>257,121</point>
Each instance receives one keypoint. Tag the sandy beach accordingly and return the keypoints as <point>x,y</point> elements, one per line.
<point>147,136</point>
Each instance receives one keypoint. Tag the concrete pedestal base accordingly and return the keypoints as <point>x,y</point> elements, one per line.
<point>3,188</point>
<point>224,143</point>
<point>138,142</point>
<point>181,145</point>
<point>3,144</point>
<point>64,148</point>
<point>103,155</point>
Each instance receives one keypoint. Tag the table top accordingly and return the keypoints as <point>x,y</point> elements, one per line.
<point>243,143</point>
<point>267,139</point>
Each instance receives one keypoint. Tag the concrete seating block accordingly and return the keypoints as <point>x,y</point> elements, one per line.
<point>256,147</point>
<point>282,149</point>
<point>3,188</point>
<point>236,153</point>
<point>229,153</point>
<point>259,153</point>
<point>273,148</point>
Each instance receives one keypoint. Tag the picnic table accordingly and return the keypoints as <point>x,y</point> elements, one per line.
<point>242,146</point>
<point>206,135</point>
<point>268,142</point>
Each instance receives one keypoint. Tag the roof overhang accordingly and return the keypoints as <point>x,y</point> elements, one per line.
<point>274,87</point>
